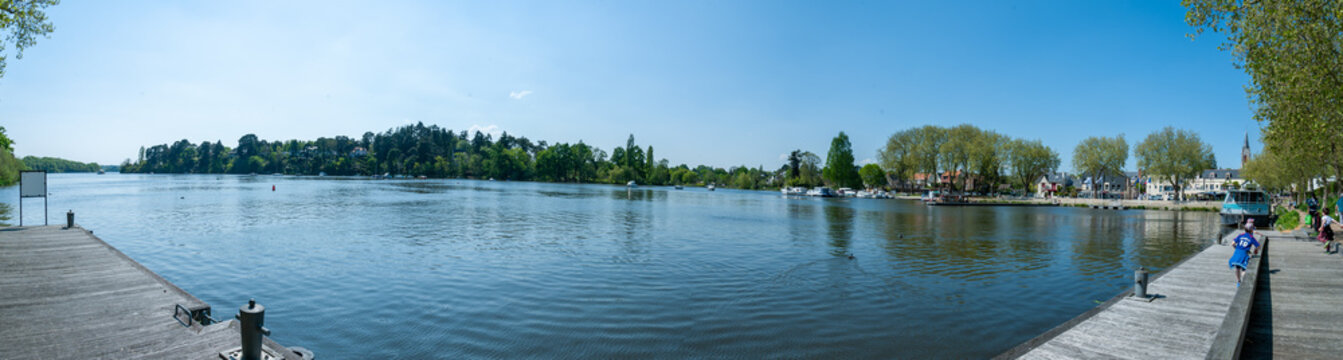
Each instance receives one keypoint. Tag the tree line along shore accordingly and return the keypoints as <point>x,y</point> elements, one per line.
<point>975,160</point>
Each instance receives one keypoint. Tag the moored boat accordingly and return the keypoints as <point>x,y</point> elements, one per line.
<point>1240,205</point>
<point>821,192</point>
<point>947,198</point>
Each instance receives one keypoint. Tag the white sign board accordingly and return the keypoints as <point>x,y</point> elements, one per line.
<point>33,184</point>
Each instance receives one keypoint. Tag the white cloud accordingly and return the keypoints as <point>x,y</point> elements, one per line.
<point>517,95</point>
<point>783,157</point>
<point>492,130</point>
<point>867,161</point>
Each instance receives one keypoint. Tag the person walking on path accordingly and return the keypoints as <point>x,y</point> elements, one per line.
<point>1240,260</point>
<point>1326,230</point>
<point>1313,209</point>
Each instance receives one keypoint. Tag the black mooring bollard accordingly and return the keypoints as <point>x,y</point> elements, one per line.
<point>1140,283</point>
<point>70,219</point>
<point>253,319</point>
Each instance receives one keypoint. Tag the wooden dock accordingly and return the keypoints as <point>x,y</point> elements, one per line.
<point>1290,306</point>
<point>1298,312</point>
<point>66,294</point>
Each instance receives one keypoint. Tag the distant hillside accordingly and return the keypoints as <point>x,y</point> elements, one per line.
<point>58,165</point>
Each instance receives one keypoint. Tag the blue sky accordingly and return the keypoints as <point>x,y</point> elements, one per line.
<point>705,82</point>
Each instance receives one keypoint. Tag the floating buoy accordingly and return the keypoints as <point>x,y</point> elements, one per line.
<point>272,188</point>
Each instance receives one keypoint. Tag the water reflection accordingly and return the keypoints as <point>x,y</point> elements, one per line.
<point>6,214</point>
<point>534,269</point>
<point>839,221</point>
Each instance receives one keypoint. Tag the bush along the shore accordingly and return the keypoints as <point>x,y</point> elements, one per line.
<point>1288,219</point>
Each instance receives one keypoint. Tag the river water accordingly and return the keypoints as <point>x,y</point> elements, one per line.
<point>355,268</point>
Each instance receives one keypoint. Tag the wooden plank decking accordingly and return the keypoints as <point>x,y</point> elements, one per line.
<point>1298,312</point>
<point>1193,301</point>
<point>65,294</point>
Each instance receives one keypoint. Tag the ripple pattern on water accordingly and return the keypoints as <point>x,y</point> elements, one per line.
<point>356,268</point>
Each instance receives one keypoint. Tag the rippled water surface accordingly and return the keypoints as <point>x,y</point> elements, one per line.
<point>474,269</point>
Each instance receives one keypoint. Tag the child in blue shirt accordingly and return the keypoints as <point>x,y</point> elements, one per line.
<point>1243,243</point>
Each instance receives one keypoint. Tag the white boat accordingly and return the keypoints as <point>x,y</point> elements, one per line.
<point>930,196</point>
<point>631,184</point>
<point>793,191</point>
<point>710,187</point>
<point>821,192</point>
<point>1240,205</point>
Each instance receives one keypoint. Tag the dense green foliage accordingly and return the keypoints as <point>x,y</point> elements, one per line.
<point>873,176</point>
<point>1291,52</point>
<point>23,21</point>
<point>1101,156</point>
<point>58,165</point>
<point>1030,160</point>
<point>975,159</point>
<point>1175,156</point>
<point>419,150</point>
<point>5,142</point>
<point>839,170</point>
<point>803,169</point>
<point>9,168</point>
<point>1288,219</point>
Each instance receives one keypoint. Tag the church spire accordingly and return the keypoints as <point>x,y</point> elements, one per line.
<point>1245,151</point>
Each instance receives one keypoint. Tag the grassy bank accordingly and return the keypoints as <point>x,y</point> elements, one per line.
<point>1288,219</point>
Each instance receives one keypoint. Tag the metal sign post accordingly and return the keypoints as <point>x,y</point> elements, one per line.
<point>33,184</point>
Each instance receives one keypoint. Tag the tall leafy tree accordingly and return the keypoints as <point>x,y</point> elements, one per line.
<point>1175,156</point>
<point>794,160</point>
<point>1101,156</point>
<point>1291,51</point>
<point>1029,160</point>
<point>955,153</point>
<point>926,153</point>
<point>24,21</point>
<point>839,169</point>
<point>5,142</point>
<point>988,158</point>
<point>872,176</point>
<point>898,155</point>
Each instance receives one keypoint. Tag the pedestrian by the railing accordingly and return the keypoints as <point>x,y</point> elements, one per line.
<point>1240,260</point>
<point>1326,230</point>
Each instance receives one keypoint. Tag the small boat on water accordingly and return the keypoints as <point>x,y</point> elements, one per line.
<point>1240,205</point>
<point>100,172</point>
<point>631,184</point>
<point>929,196</point>
<point>945,198</point>
<point>710,187</point>
<point>679,187</point>
<point>793,191</point>
<point>821,192</point>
